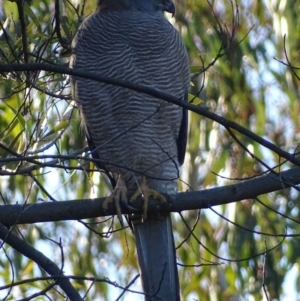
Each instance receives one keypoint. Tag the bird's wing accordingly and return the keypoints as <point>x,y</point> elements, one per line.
<point>182,136</point>
<point>96,156</point>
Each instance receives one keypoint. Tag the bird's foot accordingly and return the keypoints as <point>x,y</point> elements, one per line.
<point>146,192</point>
<point>119,197</point>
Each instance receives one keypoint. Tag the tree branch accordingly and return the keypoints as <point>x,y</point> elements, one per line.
<point>90,208</point>
<point>155,93</point>
<point>23,28</point>
<point>44,262</point>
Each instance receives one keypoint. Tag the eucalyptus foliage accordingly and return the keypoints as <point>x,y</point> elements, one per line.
<point>244,57</point>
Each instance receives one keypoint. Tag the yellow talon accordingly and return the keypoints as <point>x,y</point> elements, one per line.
<point>146,192</point>
<point>118,195</point>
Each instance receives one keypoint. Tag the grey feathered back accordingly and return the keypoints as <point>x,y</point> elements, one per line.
<point>140,48</point>
<point>134,133</point>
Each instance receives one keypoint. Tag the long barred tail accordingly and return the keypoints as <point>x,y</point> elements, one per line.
<point>157,258</point>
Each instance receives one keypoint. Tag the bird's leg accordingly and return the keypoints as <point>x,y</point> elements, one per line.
<point>146,192</point>
<point>118,195</point>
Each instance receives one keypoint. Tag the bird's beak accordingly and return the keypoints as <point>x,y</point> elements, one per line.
<point>171,9</point>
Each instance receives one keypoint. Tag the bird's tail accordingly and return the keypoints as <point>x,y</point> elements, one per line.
<point>157,258</point>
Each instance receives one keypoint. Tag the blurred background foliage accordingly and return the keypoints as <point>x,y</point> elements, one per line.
<point>244,84</point>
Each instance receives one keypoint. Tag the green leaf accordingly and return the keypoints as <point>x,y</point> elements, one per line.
<point>33,16</point>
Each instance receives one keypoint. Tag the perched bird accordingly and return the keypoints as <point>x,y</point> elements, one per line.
<point>141,139</point>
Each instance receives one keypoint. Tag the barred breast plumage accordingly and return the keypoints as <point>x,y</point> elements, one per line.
<point>137,133</point>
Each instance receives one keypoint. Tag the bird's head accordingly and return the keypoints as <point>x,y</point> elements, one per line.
<point>165,5</point>
<point>150,6</point>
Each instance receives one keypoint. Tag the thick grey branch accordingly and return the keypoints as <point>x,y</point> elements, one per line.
<point>82,209</point>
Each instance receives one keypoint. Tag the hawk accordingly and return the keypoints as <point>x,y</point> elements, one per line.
<point>140,139</point>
